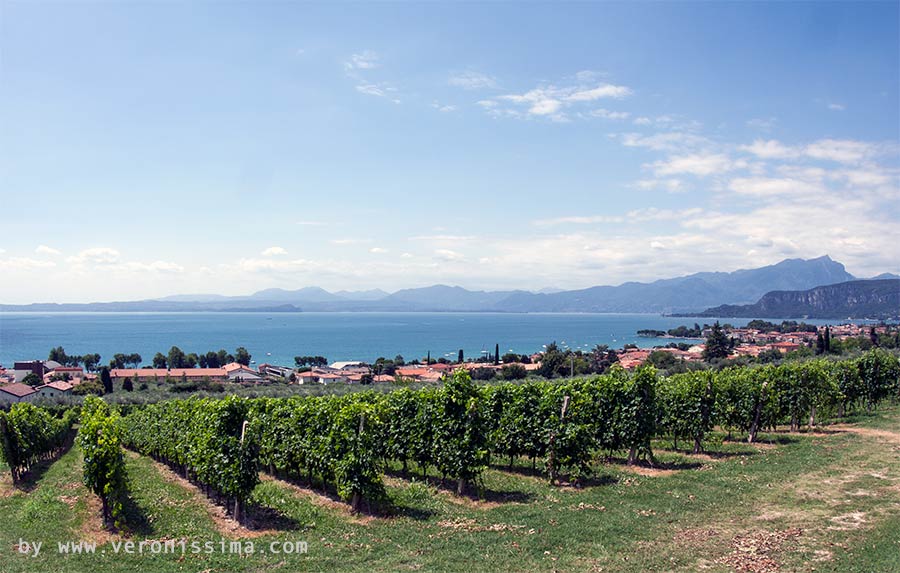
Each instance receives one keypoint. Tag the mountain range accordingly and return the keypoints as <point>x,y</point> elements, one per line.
<point>686,294</point>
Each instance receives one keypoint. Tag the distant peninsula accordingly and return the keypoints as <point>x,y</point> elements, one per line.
<point>875,299</point>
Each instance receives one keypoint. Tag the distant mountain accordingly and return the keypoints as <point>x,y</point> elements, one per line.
<point>153,306</point>
<point>192,298</point>
<point>871,298</point>
<point>885,276</point>
<point>443,297</point>
<point>303,295</point>
<point>372,294</point>
<point>686,293</point>
<point>690,293</point>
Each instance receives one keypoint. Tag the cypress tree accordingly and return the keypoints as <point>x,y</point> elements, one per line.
<point>106,379</point>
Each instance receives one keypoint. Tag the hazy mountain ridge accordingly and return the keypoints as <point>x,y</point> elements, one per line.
<point>699,290</point>
<point>872,298</point>
<point>691,293</point>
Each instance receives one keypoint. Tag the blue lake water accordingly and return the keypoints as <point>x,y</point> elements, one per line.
<point>278,337</point>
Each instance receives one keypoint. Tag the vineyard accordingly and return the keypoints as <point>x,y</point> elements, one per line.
<point>460,428</point>
<point>358,445</point>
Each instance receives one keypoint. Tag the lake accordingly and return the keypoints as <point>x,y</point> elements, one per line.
<point>278,337</point>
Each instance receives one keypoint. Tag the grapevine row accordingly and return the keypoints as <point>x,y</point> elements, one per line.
<point>29,434</point>
<point>460,428</point>
<point>204,439</point>
<point>100,439</point>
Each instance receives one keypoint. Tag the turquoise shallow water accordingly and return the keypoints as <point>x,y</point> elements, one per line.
<point>278,337</point>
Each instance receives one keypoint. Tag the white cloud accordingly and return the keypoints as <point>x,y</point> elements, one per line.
<point>378,250</point>
<point>443,238</point>
<point>580,220</point>
<point>45,250</point>
<point>607,114</point>
<point>836,150</point>
<point>274,265</point>
<point>770,149</point>
<point>443,108</point>
<point>274,252</point>
<point>154,267</point>
<point>773,187</point>
<point>655,214</point>
<point>13,264</point>
<point>551,101</point>
<point>95,256</point>
<point>365,60</point>
<point>311,223</point>
<point>664,141</point>
<point>670,185</point>
<point>634,216</point>
<point>871,176</point>
<point>406,256</point>
<point>840,150</point>
<point>671,122</point>
<point>350,241</point>
<point>699,164</point>
<point>378,90</point>
<point>448,255</point>
<point>600,92</point>
<point>110,260</point>
<point>471,80</point>
<point>836,107</point>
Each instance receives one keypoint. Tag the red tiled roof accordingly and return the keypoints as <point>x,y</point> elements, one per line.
<point>18,389</point>
<point>60,385</point>
<point>236,366</point>
<point>162,372</point>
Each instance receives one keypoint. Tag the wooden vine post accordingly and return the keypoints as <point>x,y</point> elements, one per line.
<point>551,450</point>
<point>237,501</point>
<point>757,413</point>
<point>354,503</point>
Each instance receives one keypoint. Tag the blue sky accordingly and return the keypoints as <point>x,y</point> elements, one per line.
<point>159,148</point>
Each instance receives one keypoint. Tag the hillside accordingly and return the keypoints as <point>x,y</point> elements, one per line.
<point>856,299</point>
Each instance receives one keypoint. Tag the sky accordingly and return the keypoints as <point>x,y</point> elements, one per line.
<point>150,149</point>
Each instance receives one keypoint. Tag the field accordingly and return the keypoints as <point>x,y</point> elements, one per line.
<point>812,501</point>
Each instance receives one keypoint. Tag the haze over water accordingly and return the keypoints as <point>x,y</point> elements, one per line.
<point>278,337</point>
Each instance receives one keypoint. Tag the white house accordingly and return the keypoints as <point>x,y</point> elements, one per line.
<point>240,373</point>
<point>17,392</point>
<point>54,389</point>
